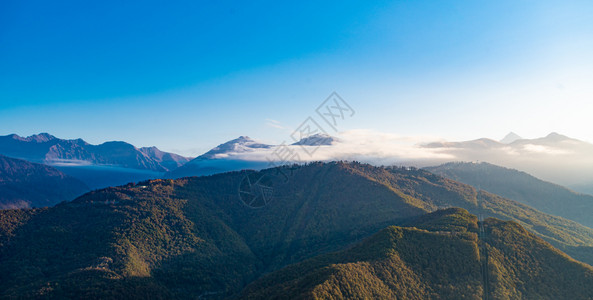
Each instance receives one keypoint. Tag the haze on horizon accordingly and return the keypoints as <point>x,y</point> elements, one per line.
<point>188,76</point>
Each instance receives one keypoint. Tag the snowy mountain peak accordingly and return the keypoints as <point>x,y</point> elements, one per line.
<point>238,145</point>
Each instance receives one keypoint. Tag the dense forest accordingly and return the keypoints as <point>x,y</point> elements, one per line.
<point>203,237</point>
<point>441,257</point>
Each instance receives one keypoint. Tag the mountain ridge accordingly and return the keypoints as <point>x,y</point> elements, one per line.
<point>47,149</point>
<point>522,187</point>
<point>157,235</point>
<point>25,184</point>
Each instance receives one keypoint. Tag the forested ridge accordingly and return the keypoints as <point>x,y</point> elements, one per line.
<point>435,260</point>
<point>197,236</point>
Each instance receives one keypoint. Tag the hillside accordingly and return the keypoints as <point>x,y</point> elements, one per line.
<point>522,187</point>
<point>157,235</point>
<point>152,238</point>
<point>441,257</point>
<point>25,184</point>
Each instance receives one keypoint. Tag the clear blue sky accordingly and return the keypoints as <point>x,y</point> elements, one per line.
<point>187,75</point>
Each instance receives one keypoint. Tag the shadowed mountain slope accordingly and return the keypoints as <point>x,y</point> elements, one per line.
<point>211,236</point>
<point>25,184</point>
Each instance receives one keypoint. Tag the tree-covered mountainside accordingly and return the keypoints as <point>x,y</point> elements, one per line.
<point>439,192</point>
<point>211,236</point>
<point>25,184</point>
<point>443,256</point>
<point>522,187</point>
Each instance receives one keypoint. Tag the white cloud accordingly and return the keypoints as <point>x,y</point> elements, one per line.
<point>361,144</point>
<point>541,149</point>
<point>69,162</point>
<point>563,162</point>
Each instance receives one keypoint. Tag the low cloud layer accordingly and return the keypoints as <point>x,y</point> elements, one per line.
<point>555,158</point>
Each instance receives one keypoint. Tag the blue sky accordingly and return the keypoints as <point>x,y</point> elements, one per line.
<point>187,75</point>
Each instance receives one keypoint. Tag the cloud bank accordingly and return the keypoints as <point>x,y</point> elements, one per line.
<point>555,158</point>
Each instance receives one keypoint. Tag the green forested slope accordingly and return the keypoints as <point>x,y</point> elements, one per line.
<point>441,258</point>
<point>196,237</point>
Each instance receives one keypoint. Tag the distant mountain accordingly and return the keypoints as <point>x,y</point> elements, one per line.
<point>439,257</point>
<point>98,166</point>
<point>211,236</point>
<point>585,188</point>
<point>522,187</point>
<point>26,184</point>
<point>47,149</point>
<point>558,141</point>
<point>223,158</point>
<point>233,156</point>
<point>511,137</point>
<point>168,160</point>
<point>238,145</point>
<point>482,143</point>
<point>555,157</point>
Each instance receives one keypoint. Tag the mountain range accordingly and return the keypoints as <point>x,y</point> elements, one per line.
<point>47,149</point>
<point>26,184</point>
<point>245,153</point>
<point>522,187</point>
<point>555,157</point>
<point>98,166</point>
<point>116,163</point>
<point>218,236</point>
